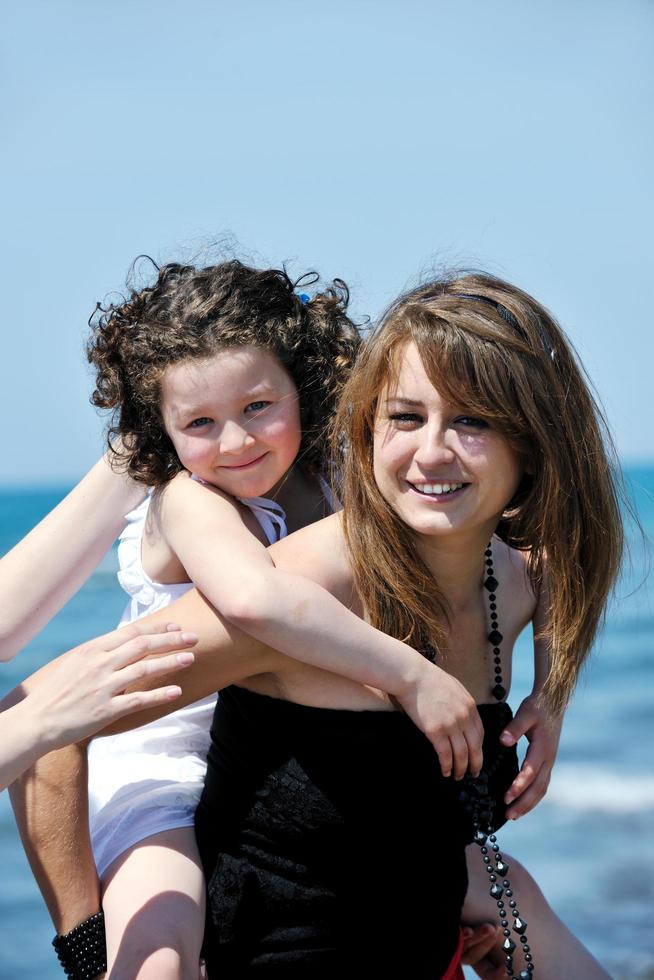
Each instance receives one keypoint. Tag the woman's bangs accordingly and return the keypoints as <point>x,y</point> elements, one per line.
<point>464,369</point>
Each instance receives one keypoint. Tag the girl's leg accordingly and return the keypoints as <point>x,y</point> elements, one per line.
<point>154,909</point>
<point>556,952</point>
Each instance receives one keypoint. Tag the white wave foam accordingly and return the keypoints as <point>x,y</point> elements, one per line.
<point>585,787</point>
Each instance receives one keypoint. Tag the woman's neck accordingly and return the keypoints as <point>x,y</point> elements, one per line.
<point>457,564</point>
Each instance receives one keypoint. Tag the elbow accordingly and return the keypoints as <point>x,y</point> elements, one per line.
<point>249,607</point>
<point>9,645</point>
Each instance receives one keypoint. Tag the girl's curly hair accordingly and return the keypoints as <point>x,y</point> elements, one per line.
<point>191,313</point>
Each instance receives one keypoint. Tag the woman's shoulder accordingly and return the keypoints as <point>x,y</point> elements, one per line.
<point>318,552</point>
<point>512,571</point>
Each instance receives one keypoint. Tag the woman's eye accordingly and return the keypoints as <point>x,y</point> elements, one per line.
<point>198,423</point>
<point>405,419</point>
<point>471,422</point>
<point>257,406</point>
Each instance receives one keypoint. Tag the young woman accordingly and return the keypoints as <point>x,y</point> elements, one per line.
<point>464,470</point>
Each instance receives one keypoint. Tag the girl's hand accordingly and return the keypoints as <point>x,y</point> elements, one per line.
<point>543,732</point>
<point>439,705</point>
<point>84,691</point>
<point>482,950</point>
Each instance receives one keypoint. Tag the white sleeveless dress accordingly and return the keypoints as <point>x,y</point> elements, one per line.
<point>150,779</point>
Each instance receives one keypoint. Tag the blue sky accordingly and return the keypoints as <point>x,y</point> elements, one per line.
<point>366,139</point>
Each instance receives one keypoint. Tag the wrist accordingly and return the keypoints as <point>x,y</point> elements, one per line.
<point>32,724</point>
<point>411,673</point>
<point>82,952</point>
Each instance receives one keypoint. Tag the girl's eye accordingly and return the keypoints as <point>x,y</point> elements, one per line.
<point>470,422</point>
<point>257,406</point>
<point>198,423</point>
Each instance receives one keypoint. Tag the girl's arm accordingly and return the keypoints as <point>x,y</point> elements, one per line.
<point>533,720</point>
<point>293,613</point>
<point>82,694</point>
<point>49,565</point>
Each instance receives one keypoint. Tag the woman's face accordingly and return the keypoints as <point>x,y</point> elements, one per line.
<point>233,418</point>
<point>442,470</point>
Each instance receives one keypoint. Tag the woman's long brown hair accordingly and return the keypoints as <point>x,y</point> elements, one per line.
<point>492,348</point>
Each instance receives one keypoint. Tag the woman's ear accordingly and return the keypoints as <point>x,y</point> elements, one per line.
<point>519,497</point>
<point>528,468</point>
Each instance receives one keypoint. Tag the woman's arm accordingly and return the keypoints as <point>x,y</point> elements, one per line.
<point>286,606</point>
<point>533,720</point>
<point>49,565</point>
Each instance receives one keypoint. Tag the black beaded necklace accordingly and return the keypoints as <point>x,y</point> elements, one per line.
<point>475,799</point>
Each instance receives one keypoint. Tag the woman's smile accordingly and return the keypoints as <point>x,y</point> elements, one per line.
<point>441,491</point>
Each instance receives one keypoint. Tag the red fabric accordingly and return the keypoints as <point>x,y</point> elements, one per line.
<point>455,970</point>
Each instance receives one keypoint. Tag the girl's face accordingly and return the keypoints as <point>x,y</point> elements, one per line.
<point>233,418</point>
<point>443,471</point>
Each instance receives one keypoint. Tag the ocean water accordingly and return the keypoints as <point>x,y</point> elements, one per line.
<point>589,843</point>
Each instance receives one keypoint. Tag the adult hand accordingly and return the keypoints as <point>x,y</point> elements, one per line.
<point>441,707</point>
<point>482,950</point>
<point>85,689</point>
<point>543,731</point>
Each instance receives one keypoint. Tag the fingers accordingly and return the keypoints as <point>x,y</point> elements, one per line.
<point>465,749</point>
<point>475,755</point>
<point>522,781</point>
<point>481,949</point>
<point>147,644</point>
<point>127,704</point>
<point>444,751</point>
<point>118,637</point>
<point>478,941</point>
<point>532,796</point>
<point>133,673</point>
<point>459,755</point>
<point>534,761</point>
<point>524,720</point>
<point>473,733</point>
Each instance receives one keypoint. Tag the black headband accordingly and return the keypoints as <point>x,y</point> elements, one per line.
<point>509,318</point>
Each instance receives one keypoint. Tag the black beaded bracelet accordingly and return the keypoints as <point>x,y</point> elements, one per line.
<point>82,952</point>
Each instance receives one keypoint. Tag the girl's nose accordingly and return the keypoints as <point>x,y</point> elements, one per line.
<point>234,438</point>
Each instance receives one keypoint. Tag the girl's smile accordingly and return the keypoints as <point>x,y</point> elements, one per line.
<point>244,466</point>
<point>441,469</point>
<point>233,418</point>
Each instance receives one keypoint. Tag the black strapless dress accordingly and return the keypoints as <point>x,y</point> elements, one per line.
<point>331,841</point>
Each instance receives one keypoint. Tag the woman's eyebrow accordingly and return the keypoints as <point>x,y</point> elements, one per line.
<point>403,400</point>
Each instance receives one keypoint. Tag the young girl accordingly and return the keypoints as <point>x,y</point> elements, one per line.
<point>222,382</point>
<point>466,416</point>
